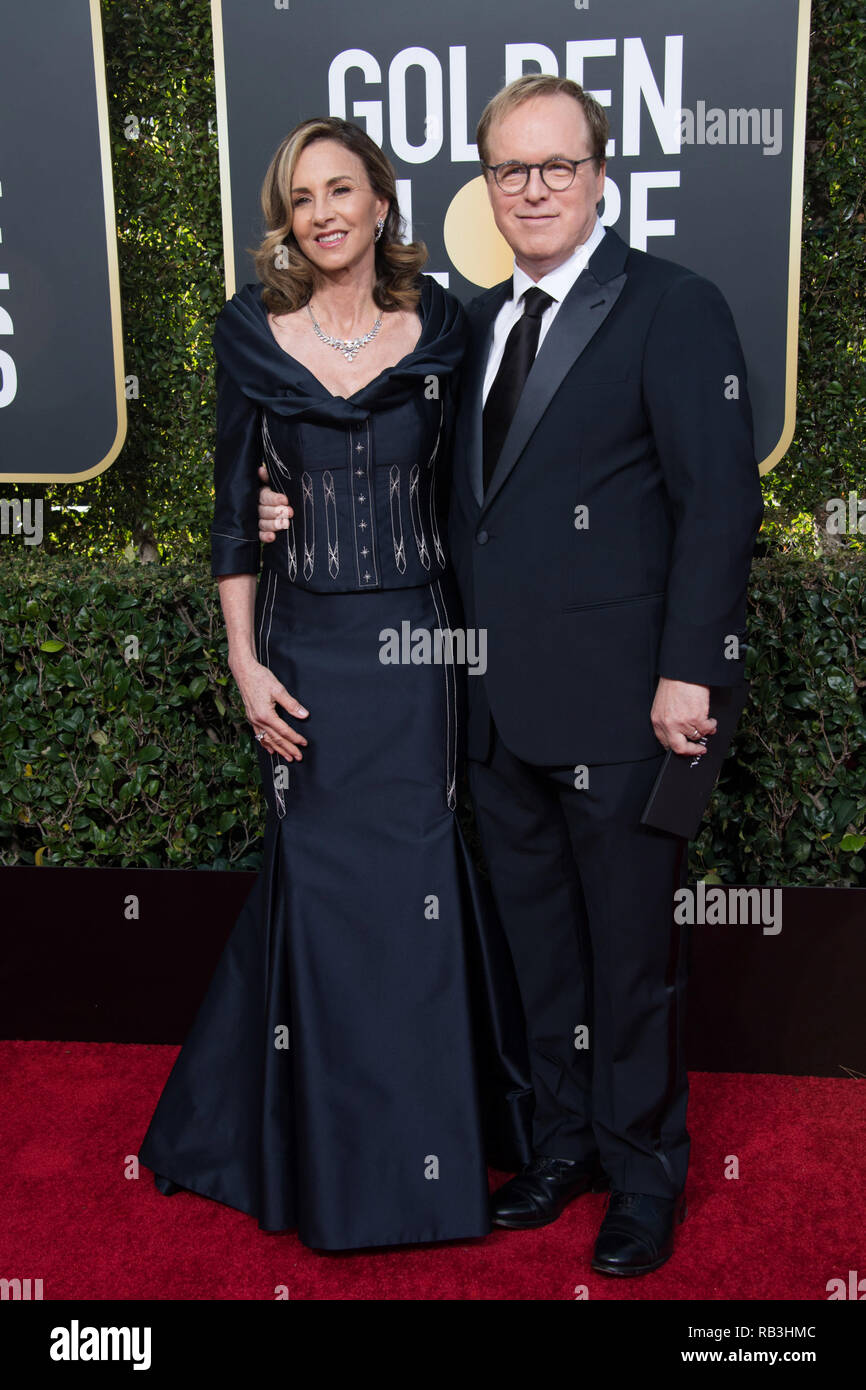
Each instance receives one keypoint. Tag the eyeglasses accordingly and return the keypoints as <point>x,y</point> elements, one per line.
<point>558,174</point>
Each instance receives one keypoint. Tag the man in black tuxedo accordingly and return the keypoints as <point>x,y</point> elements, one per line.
<point>605,503</point>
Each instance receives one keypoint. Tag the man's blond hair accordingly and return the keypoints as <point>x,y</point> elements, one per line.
<point>537,84</point>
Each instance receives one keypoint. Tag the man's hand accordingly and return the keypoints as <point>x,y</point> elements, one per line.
<point>680,715</point>
<point>274,510</point>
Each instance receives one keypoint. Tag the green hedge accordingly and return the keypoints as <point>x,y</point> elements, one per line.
<point>113,759</point>
<point>110,757</point>
<point>156,498</point>
<point>107,759</point>
<point>790,805</point>
<point>826,458</point>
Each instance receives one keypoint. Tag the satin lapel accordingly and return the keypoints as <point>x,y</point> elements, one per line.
<point>472,412</point>
<point>579,318</point>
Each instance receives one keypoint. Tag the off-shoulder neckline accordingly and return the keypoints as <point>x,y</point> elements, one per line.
<point>331,395</point>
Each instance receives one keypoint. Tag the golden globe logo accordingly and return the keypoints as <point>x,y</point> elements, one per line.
<point>475,245</point>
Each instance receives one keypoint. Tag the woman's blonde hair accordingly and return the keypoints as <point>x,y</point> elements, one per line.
<point>285,271</point>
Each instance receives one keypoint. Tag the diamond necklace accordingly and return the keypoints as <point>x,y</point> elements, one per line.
<point>349,347</point>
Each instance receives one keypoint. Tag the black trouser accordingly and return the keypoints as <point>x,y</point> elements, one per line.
<point>585,893</point>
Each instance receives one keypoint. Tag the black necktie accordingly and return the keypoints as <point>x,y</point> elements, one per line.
<point>504,393</point>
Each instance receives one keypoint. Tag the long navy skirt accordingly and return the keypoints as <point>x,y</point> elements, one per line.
<point>359,1054</point>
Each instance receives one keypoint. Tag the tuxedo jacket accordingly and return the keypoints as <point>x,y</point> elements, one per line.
<point>614,541</point>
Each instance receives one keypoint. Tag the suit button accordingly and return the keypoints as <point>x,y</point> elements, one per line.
<point>482,537</point>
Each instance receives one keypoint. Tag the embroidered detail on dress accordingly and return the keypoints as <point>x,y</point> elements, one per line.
<point>272,459</point>
<point>309,525</point>
<point>331,524</point>
<point>434,525</point>
<point>363,510</point>
<point>415,514</point>
<point>274,465</point>
<point>396,520</point>
<point>450,699</point>
<point>292,549</point>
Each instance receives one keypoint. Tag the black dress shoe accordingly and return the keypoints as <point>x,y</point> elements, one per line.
<point>637,1233</point>
<point>541,1190</point>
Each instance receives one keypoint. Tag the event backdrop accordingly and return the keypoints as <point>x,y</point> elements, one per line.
<point>706,100</point>
<point>62,403</point>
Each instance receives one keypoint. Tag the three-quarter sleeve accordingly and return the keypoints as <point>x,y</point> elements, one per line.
<point>235,545</point>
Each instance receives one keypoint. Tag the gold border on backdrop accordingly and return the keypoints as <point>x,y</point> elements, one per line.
<point>219,64</point>
<point>798,155</point>
<point>798,159</point>
<point>112,267</point>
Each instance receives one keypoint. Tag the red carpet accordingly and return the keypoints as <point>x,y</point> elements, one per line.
<point>74,1112</point>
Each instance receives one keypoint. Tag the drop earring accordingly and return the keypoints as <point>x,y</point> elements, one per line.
<point>380,226</point>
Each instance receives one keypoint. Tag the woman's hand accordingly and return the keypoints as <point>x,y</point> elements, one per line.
<point>274,510</point>
<point>261,693</point>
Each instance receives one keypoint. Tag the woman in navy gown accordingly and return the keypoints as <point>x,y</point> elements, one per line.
<point>358,1056</point>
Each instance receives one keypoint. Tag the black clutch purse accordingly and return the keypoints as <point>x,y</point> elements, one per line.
<point>685,782</point>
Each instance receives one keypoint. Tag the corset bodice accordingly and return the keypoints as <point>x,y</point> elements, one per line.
<point>367,476</point>
<point>366,496</point>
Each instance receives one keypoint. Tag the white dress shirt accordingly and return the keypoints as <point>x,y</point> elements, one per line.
<point>556,283</point>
